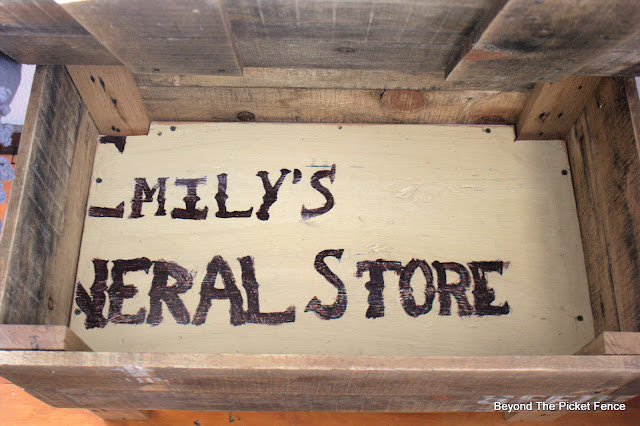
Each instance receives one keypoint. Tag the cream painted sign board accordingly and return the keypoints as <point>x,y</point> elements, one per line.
<point>327,239</point>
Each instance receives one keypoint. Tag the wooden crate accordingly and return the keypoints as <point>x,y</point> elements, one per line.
<point>317,81</point>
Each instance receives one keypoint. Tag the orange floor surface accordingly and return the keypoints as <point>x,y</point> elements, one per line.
<point>19,408</point>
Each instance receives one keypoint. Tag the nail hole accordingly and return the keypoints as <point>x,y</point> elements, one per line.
<point>339,127</point>
<point>564,172</point>
<point>50,304</point>
<point>541,116</point>
<point>113,128</point>
<point>560,115</point>
<point>246,116</point>
<point>114,101</point>
<point>93,80</point>
<point>540,134</point>
<point>156,70</point>
<point>77,312</point>
<point>173,128</point>
<point>345,50</point>
<point>487,130</point>
<point>159,133</point>
<point>579,87</point>
<point>98,180</point>
<point>580,318</point>
<point>117,130</point>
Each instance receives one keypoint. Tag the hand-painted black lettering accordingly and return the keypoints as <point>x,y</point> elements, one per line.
<point>406,291</point>
<point>118,212</point>
<point>191,212</point>
<point>270,192</point>
<point>457,290</point>
<point>160,292</point>
<point>315,184</point>
<point>208,292</point>
<point>339,306</point>
<point>142,188</point>
<point>118,291</point>
<point>482,294</point>
<point>93,305</point>
<point>221,199</point>
<point>297,175</point>
<point>250,284</point>
<point>375,285</point>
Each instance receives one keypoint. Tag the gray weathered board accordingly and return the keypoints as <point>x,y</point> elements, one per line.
<point>457,199</point>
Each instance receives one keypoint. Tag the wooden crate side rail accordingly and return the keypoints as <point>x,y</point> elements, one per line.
<point>45,217</point>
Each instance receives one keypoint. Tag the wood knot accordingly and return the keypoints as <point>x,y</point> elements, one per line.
<point>403,99</point>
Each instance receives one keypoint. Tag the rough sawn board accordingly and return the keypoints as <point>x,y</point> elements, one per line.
<point>491,224</point>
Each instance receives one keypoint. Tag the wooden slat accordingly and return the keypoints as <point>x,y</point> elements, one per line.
<point>606,173</point>
<point>41,32</point>
<point>115,415</point>
<point>186,37</point>
<point>400,35</point>
<point>549,41</point>
<point>328,105</point>
<point>336,54</point>
<point>552,108</point>
<point>403,21</point>
<point>142,381</point>
<point>314,78</point>
<point>613,343</point>
<point>45,215</point>
<point>40,337</point>
<point>112,97</point>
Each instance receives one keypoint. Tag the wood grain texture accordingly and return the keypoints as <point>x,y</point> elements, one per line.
<point>119,415</point>
<point>21,408</point>
<point>606,171</point>
<point>613,343</point>
<point>553,108</point>
<point>327,105</point>
<point>315,78</point>
<point>45,216</point>
<point>138,381</point>
<point>112,97</point>
<point>186,37</point>
<point>41,32</point>
<point>40,338</point>
<point>389,35</point>
<point>543,41</point>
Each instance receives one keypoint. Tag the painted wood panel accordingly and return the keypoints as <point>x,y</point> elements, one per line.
<point>332,239</point>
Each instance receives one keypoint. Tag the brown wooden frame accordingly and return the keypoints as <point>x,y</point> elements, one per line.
<point>45,220</point>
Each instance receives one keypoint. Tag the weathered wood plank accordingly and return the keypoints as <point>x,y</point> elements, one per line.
<point>389,35</point>
<point>116,415</point>
<point>314,78</point>
<point>145,381</point>
<point>613,343</point>
<point>553,108</point>
<point>327,105</point>
<point>187,37</point>
<point>590,212</point>
<point>549,41</point>
<point>40,337</point>
<point>45,216</point>
<point>112,97</point>
<point>41,32</point>
<point>402,21</point>
<point>338,54</point>
<point>606,166</point>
